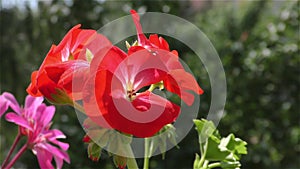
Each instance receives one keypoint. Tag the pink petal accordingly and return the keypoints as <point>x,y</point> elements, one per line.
<point>59,162</point>
<point>62,145</point>
<point>3,105</point>
<point>46,114</point>
<point>55,134</point>
<point>21,121</point>
<point>8,100</point>
<point>44,158</point>
<point>32,103</point>
<point>56,152</point>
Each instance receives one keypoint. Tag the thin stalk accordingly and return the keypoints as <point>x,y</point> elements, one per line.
<point>213,165</point>
<point>78,107</point>
<point>152,87</point>
<point>17,156</point>
<point>146,155</point>
<point>131,162</point>
<point>16,141</point>
<point>203,154</point>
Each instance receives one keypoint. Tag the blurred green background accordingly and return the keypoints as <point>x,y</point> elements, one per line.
<point>257,41</point>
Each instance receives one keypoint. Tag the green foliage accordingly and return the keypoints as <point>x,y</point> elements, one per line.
<point>217,151</point>
<point>261,61</point>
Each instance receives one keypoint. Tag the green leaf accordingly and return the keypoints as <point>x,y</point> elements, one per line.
<point>213,153</point>
<point>230,164</point>
<point>227,150</point>
<point>206,129</point>
<point>234,146</point>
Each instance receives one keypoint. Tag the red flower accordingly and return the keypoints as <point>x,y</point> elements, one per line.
<point>177,77</point>
<point>65,63</point>
<point>113,96</point>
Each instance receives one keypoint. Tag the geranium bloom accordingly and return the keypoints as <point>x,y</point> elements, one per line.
<point>65,62</point>
<point>177,77</point>
<point>34,121</point>
<point>112,96</point>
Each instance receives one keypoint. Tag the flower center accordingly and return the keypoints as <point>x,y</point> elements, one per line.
<point>131,93</point>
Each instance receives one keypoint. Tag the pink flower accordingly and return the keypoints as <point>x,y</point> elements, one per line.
<point>34,121</point>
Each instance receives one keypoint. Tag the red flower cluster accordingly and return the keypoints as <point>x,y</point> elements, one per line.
<point>111,83</point>
<point>65,62</point>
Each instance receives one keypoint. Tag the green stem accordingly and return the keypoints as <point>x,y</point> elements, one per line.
<point>159,85</point>
<point>17,156</point>
<point>213,165</point>
<point>152,87</point>
<point>131,162</point>
<point>146,155</point>
<point>17,139</point>
<point>205,165</point>
<point>203,153</point>
<point>78,107</point>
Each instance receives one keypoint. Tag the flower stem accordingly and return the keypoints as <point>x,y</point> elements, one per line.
<point>17,156</point>
<point>203,153</point>
<point>213,165</point>
<point>151,88</point>
<point>131,162</point>
<point>78,107</point>
<point>146,155</point>
<point>16,141</point>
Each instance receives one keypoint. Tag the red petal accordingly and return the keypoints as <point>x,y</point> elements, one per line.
<point>32,88</point>
<point>91,106</point>
<point>134,49</point>
<point>107,58</point>
<point>143,117</point>
<point>142,39</point>
<point>45,85</point>
<point>94,44</point>
<point>73,41</point>
<point>154,39</point>
<point>70,76</point>
<point>181,82</point>
<point>163,44</point>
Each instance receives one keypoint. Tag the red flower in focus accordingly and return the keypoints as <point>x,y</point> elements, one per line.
<point>112,98</point>
<point>66,63</point>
